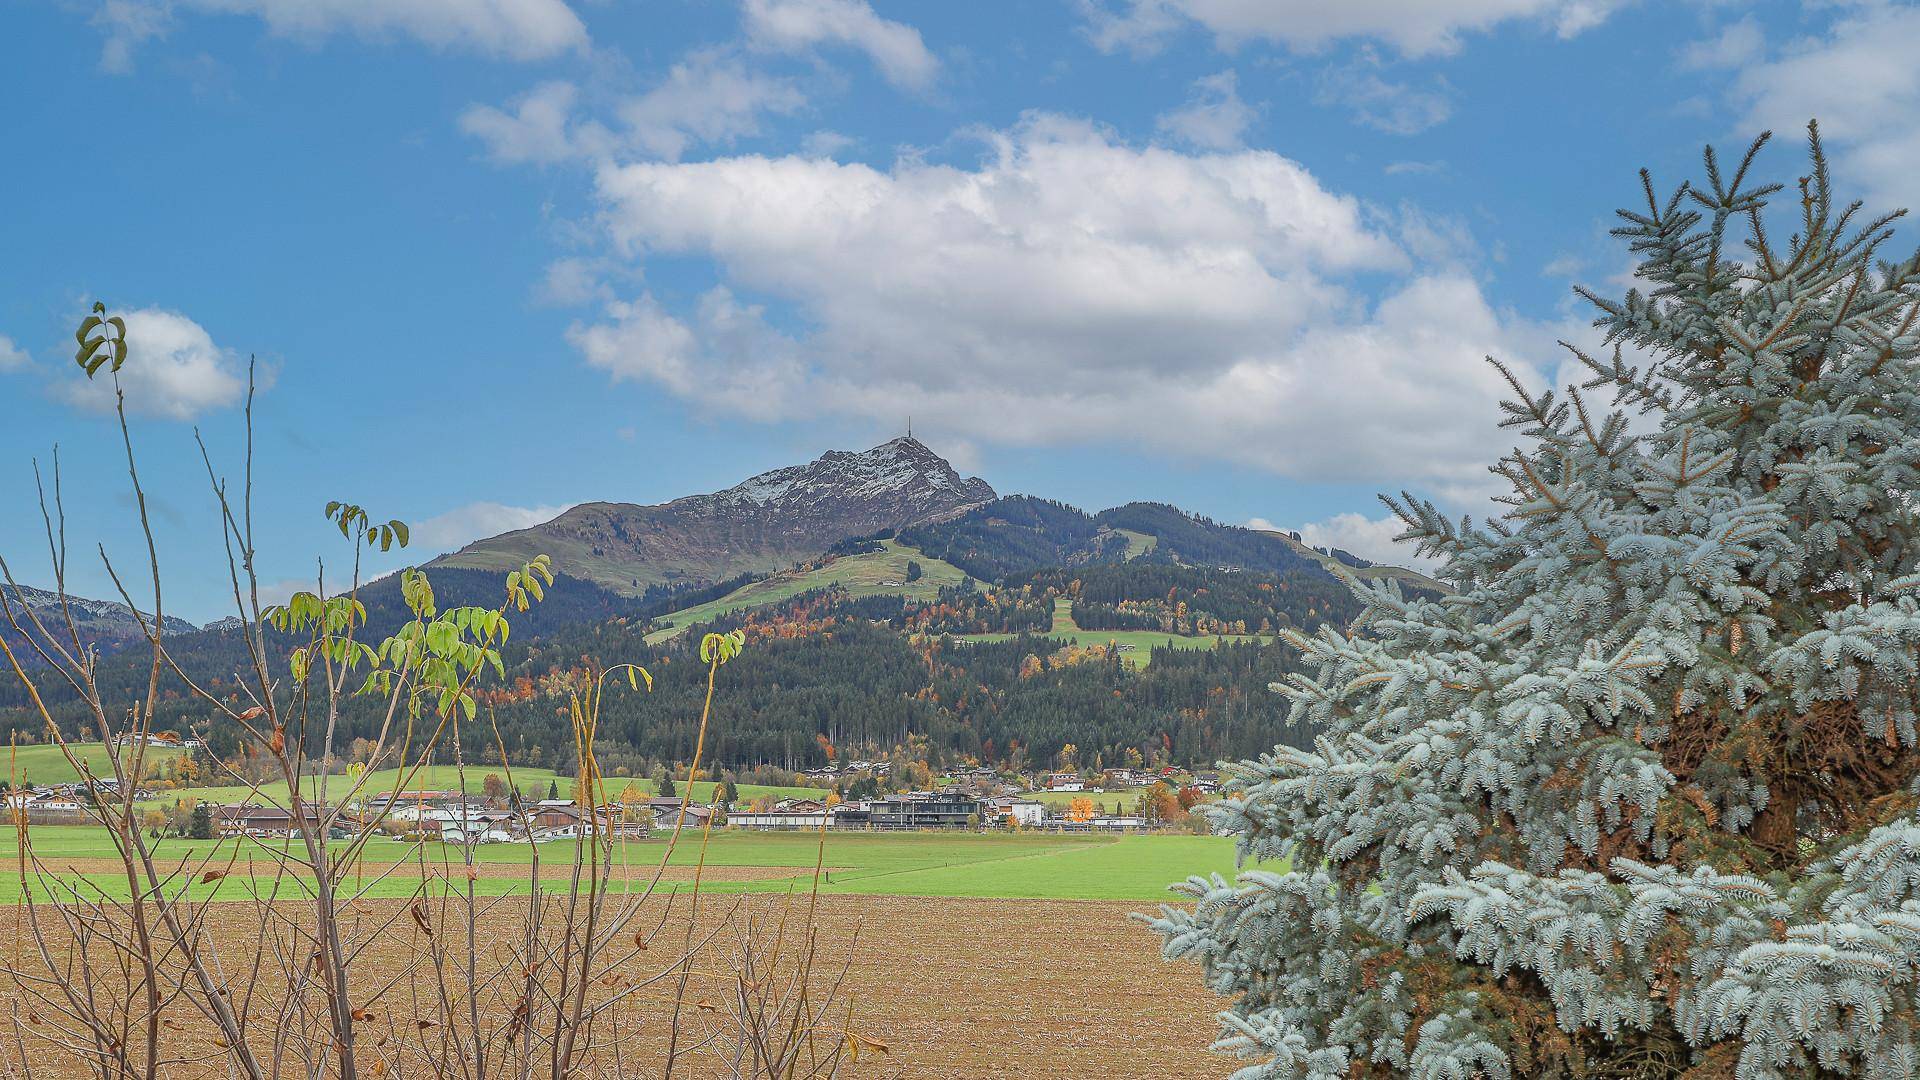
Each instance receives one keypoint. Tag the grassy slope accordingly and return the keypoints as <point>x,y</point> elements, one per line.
<point>1023,865</point>
<point>1143,641</point>
<point>43,763</point>
<point>1138,543</point>
<point>1119,801</point>
<point>621,570</point>
<point>860,574</point>
<point>1404,575</point>
<point>533,783</point>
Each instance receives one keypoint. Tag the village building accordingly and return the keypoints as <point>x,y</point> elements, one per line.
<point>924,810</point>
<point>255,819</point>
<point>785,814</point>
<point>1006,811</point>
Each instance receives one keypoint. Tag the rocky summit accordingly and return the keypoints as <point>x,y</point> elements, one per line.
<point>763,523</point>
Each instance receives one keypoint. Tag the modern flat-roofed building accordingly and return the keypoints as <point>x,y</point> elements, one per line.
<point>919,811</point>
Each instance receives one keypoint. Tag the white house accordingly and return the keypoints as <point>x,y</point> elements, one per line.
<point>1025,812</point>
<point>780,819</point>
<point>1065,781</point>
<point>477,833</point>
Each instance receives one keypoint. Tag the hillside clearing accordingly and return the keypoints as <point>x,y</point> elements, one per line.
<point>1138,543</point>
<point>861,575</point>
<point>43,764</point>
<point>1136,646</point>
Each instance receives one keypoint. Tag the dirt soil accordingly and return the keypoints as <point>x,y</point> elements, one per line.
<point>957,989</point>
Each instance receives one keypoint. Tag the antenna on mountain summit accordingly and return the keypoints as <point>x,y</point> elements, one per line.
<point>909,426</point>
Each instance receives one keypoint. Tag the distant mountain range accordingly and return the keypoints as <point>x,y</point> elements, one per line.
<point>852,566</point>
<point>623,560</point>
<point>107,624</point>
<point>762,524</point>
<point>899,488</point>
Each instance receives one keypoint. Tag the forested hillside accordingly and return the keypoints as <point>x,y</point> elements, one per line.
<point>952,658</point>
<point>1015,534</point>
<point>872,676</point>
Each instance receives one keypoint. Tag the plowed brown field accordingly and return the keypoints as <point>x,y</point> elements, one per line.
<point>976,988</point>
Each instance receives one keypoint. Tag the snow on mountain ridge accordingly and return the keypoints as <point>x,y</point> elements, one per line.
<point>43,603</point>
<point>892,467</point>
<point>765,522</point>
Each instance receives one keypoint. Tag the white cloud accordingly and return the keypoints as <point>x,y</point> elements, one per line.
<point>475,521</point>
<point>797,25</point>
<point>1369,538</point>
<point>125,25</point>
<point>1859,80</point>
<point>1412,27</point>
<point>728,358</point>
<point>279,592</point>
<point>510,29</point>
<point>826,144</point>
<point>173,369</point>
<point>1066,288</point>
<point>572,281</point>
<point>1214,118</point>
<point>1564,265</point>
<point>537,130</point>
<point>1395,108</point>
<point>12,357</point>
<point>1736,45</point>
<point>1415,168</point>
<point>708,97</point>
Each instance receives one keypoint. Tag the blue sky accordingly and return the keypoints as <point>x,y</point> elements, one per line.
<point>495,257</point>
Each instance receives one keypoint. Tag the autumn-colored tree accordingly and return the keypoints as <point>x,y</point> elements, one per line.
<point>1080,809</point>
<point>631,800</point>
<point>1159,803</point>
<point>493,787</point>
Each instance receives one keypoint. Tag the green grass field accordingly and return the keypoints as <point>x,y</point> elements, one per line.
<point>533,783</point>
<point>1143,641</point>
<point>1118,801</point>
<point>43,763</point>
<point>861,575</point>
<point>1011,865</point>
<point>1138,543</point>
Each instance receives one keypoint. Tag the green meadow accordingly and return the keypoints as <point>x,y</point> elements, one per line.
<point>860,575</point>
<point>42,764</point>
<point>1008,865</point>
<point>533,784</point>
<point>1143,641</point>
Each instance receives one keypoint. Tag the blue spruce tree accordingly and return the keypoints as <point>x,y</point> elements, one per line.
<point>1639,798</point>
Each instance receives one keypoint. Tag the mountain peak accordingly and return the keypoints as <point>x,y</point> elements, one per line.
<point>902,468</point>
<point>108,624</point>
<point>906,444</point>
<point>765,522</point>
